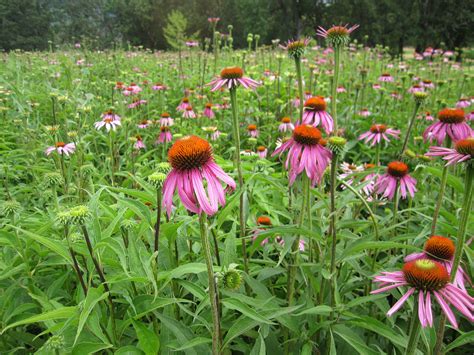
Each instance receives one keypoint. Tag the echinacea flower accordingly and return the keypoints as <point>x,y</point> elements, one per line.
<point>452,123</point>
<point>189,113</point>
<point>61,148</point>
<point>315,114</point>
<point>364,112</point>
<point>264,221</point>
<point>252,131</point>
<point>137,102</point>
<point>262,151</point>
<point>428,278</point>
<point>192,163</point>
<point>341,89</point>
<point>378,132</point>
<point>463,103</point>
<point>208,111</point>
<point>415,88</point>
<point>110,115</point>
<point>286,125</point>
<point>165,135</point>
<point>139,143</point>
<point>132,89</point>
<point>305,152</point>
<point>396,175</point>
<point>441,249</point>
<point>386,77</point>
<point>296,102</point>
<point>166,120</point>
<point>158,87</point>
<point>336,35</point>
<point>427,84</point>
<point>428,116</point>
<point>231,77</point>
<point>296,47</point>
<point>144,124</point>
<point>463,151</point>
<point>108,122</point>
<point>183,105</point>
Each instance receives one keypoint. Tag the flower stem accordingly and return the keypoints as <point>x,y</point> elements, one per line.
<point>235,120</point>
<point>332,226</point>
<point>442,188</point>
<point>410,127</point>
<point>466,210</point>
<point>335,80</point>
<point>206,246</point>
<point>414,331</point>
<point>299,78</point>
<point>158,220</point>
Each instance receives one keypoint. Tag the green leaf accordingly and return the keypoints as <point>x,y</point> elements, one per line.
<point>363,245</point>
<point>52,244</point>
<point>89,348</point>
<point>322,309</point>
<point>94,295</point>
<point>466,338</point>
<point>381,329</point>
<point>191,344</point>
<point>354,340</point>
<point>147,340</point>
<point>245,310</point>
<point>60,313</point>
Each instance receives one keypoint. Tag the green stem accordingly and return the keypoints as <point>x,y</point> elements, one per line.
<point>235,121</point>
<point>335,80</point>
<point>410,127</point>
<point>414,331</point>
<point>299,78</point>
<point>158,220</point>
<point>294,248</point>
<point>442,188</point>
<point>332,226</point>
<point>206,246</point>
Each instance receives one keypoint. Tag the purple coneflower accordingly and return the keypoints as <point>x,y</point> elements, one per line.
<point>341,89</point>
<point>144,124</point>
<point>305,152</point>
<point>136,103</point>
<point>183,105</point>
<point>427,84</point>
<point>386,77</point>
<point>252,131</point>
<point>166,120</point>
<point>463,151</point>
<point>428,278</point>
<point>296,47</point>
<point>397,174</point>
<point>61,148</point>
<point>165,135</point>
<point>262,151</point>
<point>463,103</point>
<point>232,77</point>
<point>336,35</point>
<point>139,143</point>
<point>263,221</point>
<point>208,111</point>
<point>441,249</point>
<point>428,116</point>
<point>189,113</point>
<point>415,88</point>
<point>364,112</point>
<point>378,132</point>
<point>108,121</point>
<point>158,87</point>
<point>286,125</point>
<point>315,114</point>
<point>452,123</point>
<point>192,162</point>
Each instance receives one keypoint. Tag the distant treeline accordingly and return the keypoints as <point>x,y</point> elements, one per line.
<point>40,24</point>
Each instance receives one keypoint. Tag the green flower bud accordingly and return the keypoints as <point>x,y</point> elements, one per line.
<point>337,144</point>
<point>79,214</point>
<point>56,342</point>
<point>410,154</point>
<point>10,207</point>
<point>157,179</point>
<point>163,167</point>
<point>128,223</point>
<point>420,96</point>
<point>52,179</point>
<point>232,279</point>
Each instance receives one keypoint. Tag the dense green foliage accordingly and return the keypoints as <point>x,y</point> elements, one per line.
<point>29,24</point>
<point>158,302</point>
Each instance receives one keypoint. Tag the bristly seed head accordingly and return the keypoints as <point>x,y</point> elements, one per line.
<point>315,103</point>
<point>261,148</point>
<point>397,169</point>
<point>286,120</point>
<point>60,144</point>
<point>425,275</point>
<point>190,152</point>
<point>440,248</point>
<point>449,115</point>
<point>232,73</point>
<point>465,146</point>
<point>307,135</point>
<point>378,128</point>
<point>252,127</point>
<point>264,221</point>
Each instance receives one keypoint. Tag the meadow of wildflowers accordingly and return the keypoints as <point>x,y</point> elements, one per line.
<point>312,197</point>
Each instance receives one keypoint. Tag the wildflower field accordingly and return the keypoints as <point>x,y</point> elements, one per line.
<point>306,197</point>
